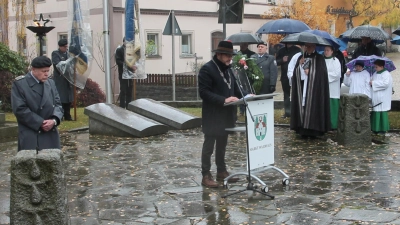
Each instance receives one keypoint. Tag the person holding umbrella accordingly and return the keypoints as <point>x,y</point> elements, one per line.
<point>358,80</point>
<point>381,84</point>
<point>244,49</point>
<point>283,58</point>
<point>310,108</point>
<point>334,73</point>
<point>366,48</point>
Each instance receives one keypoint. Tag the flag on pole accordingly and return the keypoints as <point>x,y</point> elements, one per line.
<point>134,54</point>
<point>76,68</point>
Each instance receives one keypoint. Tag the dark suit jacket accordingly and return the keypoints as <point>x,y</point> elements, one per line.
<point>31,109</point>
<point>213,91</point>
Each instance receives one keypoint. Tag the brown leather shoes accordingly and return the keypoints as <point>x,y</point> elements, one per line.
<point>222,175</point>
<point>209,181</point>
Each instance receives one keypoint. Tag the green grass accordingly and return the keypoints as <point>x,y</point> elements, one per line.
<point>83,120</point>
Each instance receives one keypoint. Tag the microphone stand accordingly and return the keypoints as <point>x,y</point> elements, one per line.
<point>250,186</point>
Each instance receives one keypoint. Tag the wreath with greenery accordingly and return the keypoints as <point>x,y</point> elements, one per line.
<point>249,67</point>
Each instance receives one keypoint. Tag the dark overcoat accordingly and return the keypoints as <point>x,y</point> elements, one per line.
<point>64,87</point>
<point>31,109</point>
<point>268,67</point>
<point>213,91</point>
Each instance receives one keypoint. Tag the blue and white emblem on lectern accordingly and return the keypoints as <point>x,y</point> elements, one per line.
<point>260,126</point>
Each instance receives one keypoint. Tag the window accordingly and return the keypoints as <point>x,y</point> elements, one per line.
<point>153,43</point>
<point>62,36</point>
<point>187,46</point>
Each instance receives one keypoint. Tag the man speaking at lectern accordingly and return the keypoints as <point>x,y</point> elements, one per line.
<point>217,86</point>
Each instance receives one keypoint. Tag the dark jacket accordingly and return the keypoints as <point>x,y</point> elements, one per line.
<point>120,59</point>
<point>213,91</point>
<point>32,103</point>
<point>247,52</point>
<point>339,55</point>
<point>64,87</point>
<point>366,50</point>
<point>285,51</point>
<point>268,67</point>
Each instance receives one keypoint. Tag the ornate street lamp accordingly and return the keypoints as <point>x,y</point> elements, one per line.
<point>40,30</point>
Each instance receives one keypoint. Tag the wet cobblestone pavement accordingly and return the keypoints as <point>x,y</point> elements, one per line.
<point>156,180</point>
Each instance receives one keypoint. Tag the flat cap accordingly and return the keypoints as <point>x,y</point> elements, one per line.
<point>62,42</point>
<point>41,62</point>
<point>262,43</point>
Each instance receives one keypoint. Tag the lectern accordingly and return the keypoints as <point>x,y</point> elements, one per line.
<point>259,131</point>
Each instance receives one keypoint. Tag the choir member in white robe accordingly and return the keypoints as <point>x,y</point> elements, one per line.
<point>334,69</point>
<point>358,80</point>
<point>381,84</point>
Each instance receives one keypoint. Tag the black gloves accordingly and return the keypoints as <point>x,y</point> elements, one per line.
<point>272,88</point>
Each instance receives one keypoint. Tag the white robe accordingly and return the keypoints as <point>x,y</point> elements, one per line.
<point>334,70</point>
<point>358,82</point>
<point>382,91</point>
<point>292,66</point>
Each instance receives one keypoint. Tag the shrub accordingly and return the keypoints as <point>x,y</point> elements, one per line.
<point>90,95</point>
<point>11,65</point>
<point>11,61</point>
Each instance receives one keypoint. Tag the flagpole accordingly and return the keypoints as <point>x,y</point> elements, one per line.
<point>107,59</point>
<point>75,94</point>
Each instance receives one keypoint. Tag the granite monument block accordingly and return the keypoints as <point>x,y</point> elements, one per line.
<point>354,128</point>
<point>111,120</point>
<point>38,188</point>
<point>164,114</point>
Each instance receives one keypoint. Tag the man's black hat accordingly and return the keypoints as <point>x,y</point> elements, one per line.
<point>263,43</point>
<point>41,62</point>
<point>225,47</point>
<point>360,63</point>
<point>62,42</point>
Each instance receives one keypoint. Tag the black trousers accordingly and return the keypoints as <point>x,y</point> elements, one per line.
<point>125,92</point>
<point>67,111</point>
<point>220,143</point>
<point>286,96</point>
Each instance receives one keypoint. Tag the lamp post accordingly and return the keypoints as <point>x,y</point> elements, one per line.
<point>40,30</point>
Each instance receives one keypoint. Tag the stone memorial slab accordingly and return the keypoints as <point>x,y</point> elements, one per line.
<point>164,114</point>
<point>109,119</point>
<point>354,128</point>
<point>38,188</point>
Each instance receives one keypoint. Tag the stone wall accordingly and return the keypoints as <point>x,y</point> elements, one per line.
<point>164,93</point>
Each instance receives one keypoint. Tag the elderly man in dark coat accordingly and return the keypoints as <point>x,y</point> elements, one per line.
<point>63,86</point>
<point>268,67</point>
<point>37,107</point>
<point>217,86</point>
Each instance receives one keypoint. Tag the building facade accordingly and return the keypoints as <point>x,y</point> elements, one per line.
<point>197,19</point>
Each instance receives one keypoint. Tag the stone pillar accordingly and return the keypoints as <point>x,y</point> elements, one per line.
<point>354,128</point>
<point>38,188</point>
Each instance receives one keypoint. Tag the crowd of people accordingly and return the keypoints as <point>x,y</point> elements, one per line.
<point>313,79</point>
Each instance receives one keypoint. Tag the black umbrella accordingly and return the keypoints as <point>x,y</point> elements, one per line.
<point>355,34</point>
<point>283,26</point>
<point>305,37</point>
<point>397,31</point>
<point>240,38</point>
